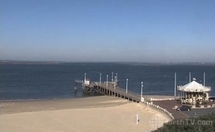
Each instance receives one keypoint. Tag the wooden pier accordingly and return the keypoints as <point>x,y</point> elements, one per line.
<point>112,89</point>
<point>109,88</point>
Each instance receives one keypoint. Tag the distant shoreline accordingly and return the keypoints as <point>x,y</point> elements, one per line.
<point>104,62</point>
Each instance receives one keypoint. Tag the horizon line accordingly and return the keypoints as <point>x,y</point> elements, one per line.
<point>140,62</point>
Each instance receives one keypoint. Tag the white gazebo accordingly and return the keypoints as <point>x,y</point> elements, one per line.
<point>193,93</point>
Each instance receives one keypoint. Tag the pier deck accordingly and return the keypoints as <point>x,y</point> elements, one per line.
<point>111,89</point>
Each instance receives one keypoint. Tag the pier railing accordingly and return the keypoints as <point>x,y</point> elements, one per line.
<point>150,104</point>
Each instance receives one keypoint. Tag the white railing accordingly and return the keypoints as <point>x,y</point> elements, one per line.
<point>150,104</point>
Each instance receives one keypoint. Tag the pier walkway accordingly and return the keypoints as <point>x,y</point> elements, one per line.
<point>111,89</point>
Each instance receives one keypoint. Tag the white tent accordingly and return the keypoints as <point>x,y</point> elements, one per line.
<point>194,87</point>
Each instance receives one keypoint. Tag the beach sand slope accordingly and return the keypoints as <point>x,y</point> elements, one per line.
<point>96,114</point>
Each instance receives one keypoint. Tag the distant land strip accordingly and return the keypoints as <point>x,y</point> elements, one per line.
<point>129,63</point>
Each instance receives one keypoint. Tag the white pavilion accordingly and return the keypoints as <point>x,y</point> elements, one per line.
<point>193,93</point>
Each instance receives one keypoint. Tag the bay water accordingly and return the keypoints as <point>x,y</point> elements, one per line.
<point>56,80</point>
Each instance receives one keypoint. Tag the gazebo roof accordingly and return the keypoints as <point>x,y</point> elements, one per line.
<point>194,87</point>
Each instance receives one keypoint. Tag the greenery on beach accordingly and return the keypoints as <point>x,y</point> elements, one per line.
<point>204,123</point>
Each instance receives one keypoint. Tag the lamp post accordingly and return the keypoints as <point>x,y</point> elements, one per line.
<point>107,81</point>
<point>85,77</point>
<point>189,76</point>
<point>126,86</point>
<point>175,86</point>
<point>115,82</point>
<point>204,79</point>
<point>112,77</point>
<point>100,79</point>
<point>141,92</point>
<point>116,77</point>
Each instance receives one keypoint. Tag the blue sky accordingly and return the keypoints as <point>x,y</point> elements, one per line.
<point>108,30</point>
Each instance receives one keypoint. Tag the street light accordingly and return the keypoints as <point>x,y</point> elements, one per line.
<point>141,97</point>
<point>175,86</point>
<point>107,81</point>
<point>85,76</point>
<point>126,86</point>
<point>112,77</point>
<point>100,79</point>
<point>204,78</point>
<point>116,77</point>
<point>115,82</point>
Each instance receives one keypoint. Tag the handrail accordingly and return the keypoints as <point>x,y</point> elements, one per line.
<point>159,108</point>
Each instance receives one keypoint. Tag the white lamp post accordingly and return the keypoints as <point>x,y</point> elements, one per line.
<point>85,77</point>
<point>115,82</point>
<point>204,79</point>
<point>141,97</point>
<point>189,76</point>
<point>100,79</point>
<point>175,86</point>
<point>116,77</point>
<point>112,77</point>
<point>126,86</point>
<point>107,81</point>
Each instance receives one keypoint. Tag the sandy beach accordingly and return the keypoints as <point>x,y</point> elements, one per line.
<point>93,114</point>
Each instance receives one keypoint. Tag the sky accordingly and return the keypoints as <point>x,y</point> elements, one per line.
<point>108,30</point>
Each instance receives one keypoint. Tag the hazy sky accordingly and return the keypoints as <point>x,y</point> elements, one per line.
<point>108,30</point>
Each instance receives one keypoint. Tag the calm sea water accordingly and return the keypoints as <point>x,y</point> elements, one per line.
<point>49,81</point>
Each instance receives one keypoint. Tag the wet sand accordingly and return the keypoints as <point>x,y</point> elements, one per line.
<point>93,114</point>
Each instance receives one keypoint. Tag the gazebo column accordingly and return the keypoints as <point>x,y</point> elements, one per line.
<point>206,98</point>
<point>185,96</point>
<point>191,98</point>
<point>194,100</point>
